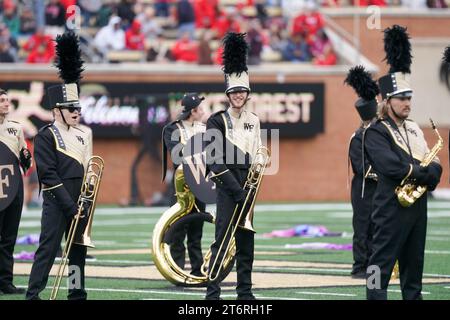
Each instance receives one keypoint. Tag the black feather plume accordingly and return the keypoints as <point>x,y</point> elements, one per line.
<point>361,81</point>
<point>398,49</point>
<point>445,68</point>
<point>68,57</point>
<point>446,57</point>
<point>235,53</point>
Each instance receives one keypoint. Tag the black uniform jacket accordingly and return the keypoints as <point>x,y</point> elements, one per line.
<point>61,154</point>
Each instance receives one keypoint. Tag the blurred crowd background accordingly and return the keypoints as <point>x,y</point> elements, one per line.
<point>167,31</point>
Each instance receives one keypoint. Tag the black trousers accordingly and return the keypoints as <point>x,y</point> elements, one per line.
<point>9,227</point>
<point>362,222</point>
<point>194,232</point>
<point>399,234</point>
<point>53,226</point>
<point>245,243</point>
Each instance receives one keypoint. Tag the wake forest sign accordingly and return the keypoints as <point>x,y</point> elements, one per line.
<point>124,110</point>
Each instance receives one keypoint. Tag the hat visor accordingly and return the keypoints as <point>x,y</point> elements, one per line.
<point>237,89</point>
<point>74,103</point>
<point>404,94</point>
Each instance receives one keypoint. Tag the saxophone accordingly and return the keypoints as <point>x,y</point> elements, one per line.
<point>408,193</point>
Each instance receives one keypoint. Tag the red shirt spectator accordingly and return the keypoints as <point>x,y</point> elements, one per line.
<point>365,3</point>
<point>308,23</point>
<point>185,50</point>
<point>41,48</point>
<point>205,13</point>
<point>40,55</point>
<point>134,38</point>
<point>68,3</point>
<point>226,23</point>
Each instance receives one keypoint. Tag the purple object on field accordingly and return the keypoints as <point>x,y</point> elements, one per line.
<point>302,230</point>
<point>320,245</point>
<point>28,239</point>
<point>24,255</point>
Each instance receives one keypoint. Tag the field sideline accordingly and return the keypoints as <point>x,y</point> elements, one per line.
<point>123,268</point>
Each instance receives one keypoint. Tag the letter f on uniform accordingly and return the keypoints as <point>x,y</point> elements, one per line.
<point>5,180</point>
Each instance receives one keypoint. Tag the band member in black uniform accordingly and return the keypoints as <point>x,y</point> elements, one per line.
<point>238,133</point>
<point>187,124</point>
<point>395,147</point>
<point>363,175</point>
<point>13,153</point>
<point>61,152</point>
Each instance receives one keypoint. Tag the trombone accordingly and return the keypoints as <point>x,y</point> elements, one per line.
<point>252,185</point>
<point>88,196</point>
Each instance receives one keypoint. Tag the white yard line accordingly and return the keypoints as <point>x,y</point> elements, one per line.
<point>400,291</point>
<point>327,294</point>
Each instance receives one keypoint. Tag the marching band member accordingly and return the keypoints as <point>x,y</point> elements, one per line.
<point>395,146</point>
<point>13,153</point>
<point>61,152</point>
<point>187,124</point>
<point>238,138</point>
<point>362,198</point>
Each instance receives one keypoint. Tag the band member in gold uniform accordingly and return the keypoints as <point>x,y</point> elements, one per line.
<point>61,152</point>
<point>13,155</point>
<point>395,147</point>
<point>237,139</point>
<point>187,124</point>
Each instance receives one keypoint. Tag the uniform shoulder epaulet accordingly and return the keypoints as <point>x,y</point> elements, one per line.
<point>45,127</point>
<point>217,113</point>
<point>409,120</point>
<point>14,121</point>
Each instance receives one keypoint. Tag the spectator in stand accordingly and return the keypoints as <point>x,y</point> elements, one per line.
<point>40,55</point>
<point>10,17</point>
<point>158,50</point>
<point>162,8</point>
<point>68,3</point>
<point>41,47</point>
<point>329,57</point>
<point>185,49</point>
<point>28,24</point>
<point>149,25</point>
<point>322,50</point>
<point>111,37</point>
<point>55,14</point>
<point>296,49</point>
<point>366,3</point>
<point>414,4</point>
<point>308,22</point>
<point>277,38</point>
<point>89,10</point>
<point>205,13</point>
<point>13,46</point>
<point>227,21</point>
<point>104,14</point>
<point>256,42</point>
<point>185,18</point>
<point>204,48</point>
<point>125,11</point>
<point>436,4</point>
<point>5,55</point>
<point>134,38</point>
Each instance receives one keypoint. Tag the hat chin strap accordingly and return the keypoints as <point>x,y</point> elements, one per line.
<point>64,119</point>
<point>395,113</point>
